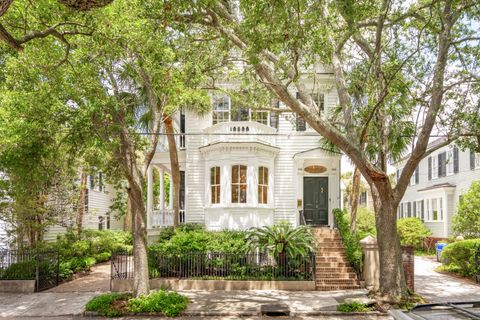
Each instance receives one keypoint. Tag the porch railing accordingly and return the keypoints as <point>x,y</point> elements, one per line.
<point>219,266</point>
<point>164,218</point>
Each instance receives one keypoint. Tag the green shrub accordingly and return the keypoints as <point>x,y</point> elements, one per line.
<point>102,257</point>
<point>24,270</point>
<point>467,222</point>
<point>104,304</point>
<point>169,304</point>
<point>354,307</point>
<point>365,223</point>
<point>187,227</point>
<point>166,233</point>
<point>353,251</point>
<point>460,256</point>
<point>412,231</point>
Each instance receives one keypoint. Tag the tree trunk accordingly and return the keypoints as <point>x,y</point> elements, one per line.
<point>175,167</point>
<point>141,284</point>
<point>392,279</point>
<point>354,199</point>
<point>81,201</point>
<point>127,221</point>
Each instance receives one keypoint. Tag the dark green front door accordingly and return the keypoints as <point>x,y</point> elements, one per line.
<point>315,200</point>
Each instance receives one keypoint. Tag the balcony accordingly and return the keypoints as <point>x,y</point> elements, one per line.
<point>240,131</point>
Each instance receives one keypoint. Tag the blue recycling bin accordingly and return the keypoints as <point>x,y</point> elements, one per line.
<point>439,246</point>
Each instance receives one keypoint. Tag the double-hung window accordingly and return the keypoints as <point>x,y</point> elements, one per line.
<point>263,185</point>
<point>215,184</point>
<point>239,184</point>
<point>221,109</point>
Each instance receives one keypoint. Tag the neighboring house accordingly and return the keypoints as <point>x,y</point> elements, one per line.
<point>99,196</point>
<point>437,184</point>
<point>242,168</point>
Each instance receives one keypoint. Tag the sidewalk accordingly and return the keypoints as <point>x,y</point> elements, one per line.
<point>437,287</point>
<point>202,303</point>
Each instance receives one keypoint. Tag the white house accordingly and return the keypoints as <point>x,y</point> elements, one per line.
<point>97,216</point>
<point>438,183</point>
<point>242,168</point>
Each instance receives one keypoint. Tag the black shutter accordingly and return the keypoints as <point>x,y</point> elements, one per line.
<point>442,164</point>
<point>300,124</point>
<point>455,159</point>
<point>417,176</point>
<point>423,210</point>
<point>414,208</point>
<point>472,160</point>
<point>409,206</point>
<point>429,168</point>
<point>274,115</point>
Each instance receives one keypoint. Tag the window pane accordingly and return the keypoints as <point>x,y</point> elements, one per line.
<point>243,193</point>
<point>265,194</point>
<point>265,175</point>
<point>235,189</point>
<point>212,175</point>
<point>243,174</point>
<point>260,175</point>
<point>217,175</point>
<point>235,174</point>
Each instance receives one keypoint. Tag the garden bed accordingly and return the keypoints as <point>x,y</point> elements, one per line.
<point>161,303</point>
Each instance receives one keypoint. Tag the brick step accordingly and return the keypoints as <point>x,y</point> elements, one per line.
<point>332,264</point>
<point>335,275</point>
<point>328,244</point>
<point>334,269</point>
<point>330,259</point>
<point>323,249</point>
<point>336,282</point>
<point>330,254</point>
<point>336,287</point>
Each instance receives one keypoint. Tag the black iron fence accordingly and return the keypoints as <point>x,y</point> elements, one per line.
<point>219,266</point>
<point>30,265</point>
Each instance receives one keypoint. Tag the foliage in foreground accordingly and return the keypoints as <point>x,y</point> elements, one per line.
<point>365,222</point>
<point>354,307</point>
<point>467,222</point>
<point>412,231</point>
<point>353,251</point>
<point>282,238</point>
<point>113,304</point>
<point>459,257</point>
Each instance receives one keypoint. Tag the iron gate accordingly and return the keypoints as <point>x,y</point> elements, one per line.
<point>47,270</point>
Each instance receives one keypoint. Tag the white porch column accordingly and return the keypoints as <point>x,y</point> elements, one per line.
<point>170,198</point>
<point>162,189</point>
<point>149,195</point>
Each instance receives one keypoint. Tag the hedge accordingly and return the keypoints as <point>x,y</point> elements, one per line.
<point>460,257</point>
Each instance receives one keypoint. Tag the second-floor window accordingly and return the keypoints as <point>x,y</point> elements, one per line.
<point>221,109</point>
<point>415,178</point>
<point>215,184</point>
<point>474,160</point>
<point>262,185</point>
<point>97,182</point>
<point>239,184</point>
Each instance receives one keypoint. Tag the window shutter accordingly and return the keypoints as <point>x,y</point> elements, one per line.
<point>472,160</point>
<point>300,124</point>
<point>442,165</point>
<point>455,159</point>
<point>423,209</point>
<point>409,206</point>
<point>417,176</point>
<point>429,168</point>
<point>414,208</point>
<point>275,103</point>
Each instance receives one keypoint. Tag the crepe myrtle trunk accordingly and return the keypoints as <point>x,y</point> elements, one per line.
<point>139,231</point>
<point>175,167</point>
<point>392,279</point>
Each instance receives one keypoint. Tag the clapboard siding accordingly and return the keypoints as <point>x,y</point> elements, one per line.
<point>285,179</point>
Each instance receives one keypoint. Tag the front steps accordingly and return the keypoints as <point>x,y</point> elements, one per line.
<point>332,269</point>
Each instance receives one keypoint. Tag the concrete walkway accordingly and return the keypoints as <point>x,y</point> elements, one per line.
<point>437,287</point>
<point>98,280</point>
<point>217,303</point>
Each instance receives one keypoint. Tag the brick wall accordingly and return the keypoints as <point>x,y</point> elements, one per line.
<point>408,262</point>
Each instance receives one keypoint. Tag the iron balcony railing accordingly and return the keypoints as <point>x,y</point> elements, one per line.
<point>219,266</point>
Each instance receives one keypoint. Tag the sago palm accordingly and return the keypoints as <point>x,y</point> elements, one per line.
<point>282,239</point>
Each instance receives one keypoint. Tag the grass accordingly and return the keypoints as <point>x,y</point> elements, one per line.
<point>167,303</point>
<point>354,307</point>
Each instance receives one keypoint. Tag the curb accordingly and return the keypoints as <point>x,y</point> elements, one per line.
<point>249,313</point>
